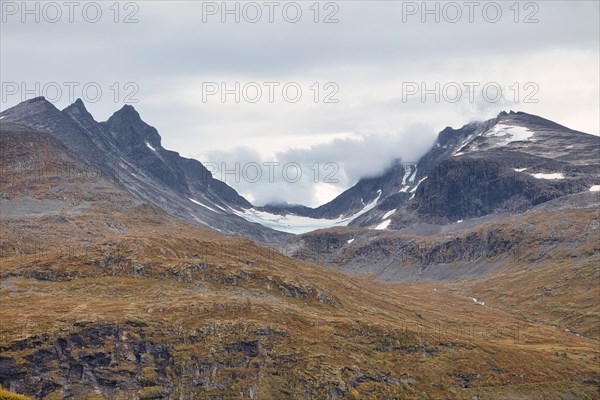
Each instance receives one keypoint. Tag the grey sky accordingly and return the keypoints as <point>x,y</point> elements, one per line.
<point>371,54</point>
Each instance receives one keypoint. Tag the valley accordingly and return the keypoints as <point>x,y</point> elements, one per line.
<point>126,276</point>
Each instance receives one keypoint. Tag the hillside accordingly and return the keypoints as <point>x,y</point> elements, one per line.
<point>106,296</point>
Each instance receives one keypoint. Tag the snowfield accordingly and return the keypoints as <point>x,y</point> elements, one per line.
<point>297,224</point>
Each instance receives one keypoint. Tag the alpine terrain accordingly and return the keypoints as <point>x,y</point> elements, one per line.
<point>130,272</point>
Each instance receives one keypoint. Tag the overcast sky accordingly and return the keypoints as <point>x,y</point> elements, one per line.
<point>361,67</point>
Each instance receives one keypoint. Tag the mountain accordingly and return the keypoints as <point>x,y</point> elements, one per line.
<point>507,164</point>
<point>107,296</point>
<point>510,163</point>
<point>129,151</point>
<point>506,210</point>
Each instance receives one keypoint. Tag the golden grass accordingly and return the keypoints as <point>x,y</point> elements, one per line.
<point>6,395</point>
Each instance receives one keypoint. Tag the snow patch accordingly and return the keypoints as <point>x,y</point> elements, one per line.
<point>409,176</point>
<point>203,205</point>
<point>351,240</point>
<point>556,175</point>
<point>407,173</point>
<point>519,169</point>
<point>501,135</point>
<point>414,174</point>
<point>481,303</point>
<point>387,214</point>
<point>459,221</point>
<point>383,225</point>
<point>150,147</point>
<point>464,144</point>
<point>509,134</point>
<point>2,117</point>
<point>418,183</point>
<point>595,188</point>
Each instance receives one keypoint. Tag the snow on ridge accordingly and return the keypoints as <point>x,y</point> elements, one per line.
<point>555,175</point>
<point>298,224</point>
<point>595,188</point>
<point>387,214</point>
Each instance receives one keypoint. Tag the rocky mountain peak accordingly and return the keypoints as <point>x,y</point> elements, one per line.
<point>78,111</point>
<point>31,107</point>
<point>128,128</point>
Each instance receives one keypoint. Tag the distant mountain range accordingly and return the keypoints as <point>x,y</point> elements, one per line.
<point>507,164</point>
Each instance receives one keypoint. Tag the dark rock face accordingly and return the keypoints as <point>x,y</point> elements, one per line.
<point>137,140</point>
<point>470,175</point>
<point>473,187</point>
<point>94,359</point>
<point>109,360</point>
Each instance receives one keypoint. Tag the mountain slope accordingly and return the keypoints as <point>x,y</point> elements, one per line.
<point>104,296</point>
<point>128,151</point>
<point>507,164</point>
